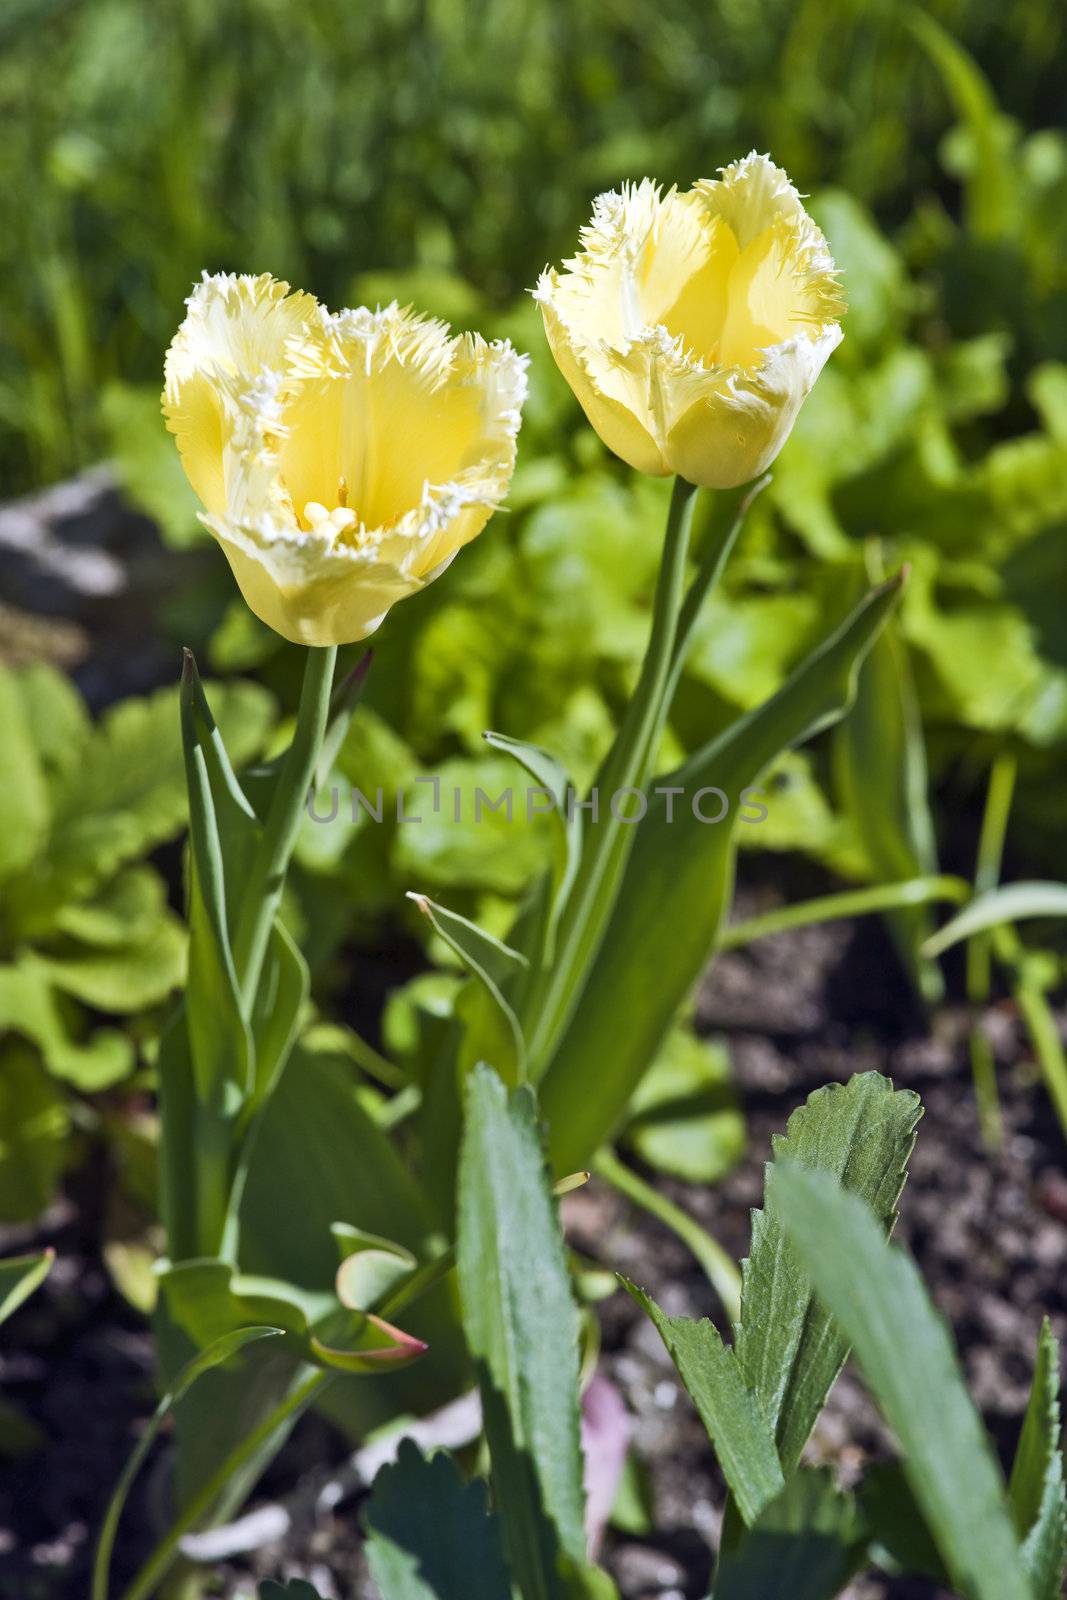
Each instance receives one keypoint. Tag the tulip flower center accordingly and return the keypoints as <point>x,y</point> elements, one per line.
<point>347,444</point>
<point>736,302</point>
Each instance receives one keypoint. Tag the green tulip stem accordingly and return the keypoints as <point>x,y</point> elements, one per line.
<point>267,876</point>
<point>552,1000</point>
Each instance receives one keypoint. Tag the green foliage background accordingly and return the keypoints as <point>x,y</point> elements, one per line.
<point>442,151</point>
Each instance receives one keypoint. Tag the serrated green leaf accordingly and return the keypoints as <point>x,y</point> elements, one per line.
<point>788,1346</point>
<point>1038,1500</point>
<point>743,1443</point>
<point>675,894</point>
<point>805,1544</point>
<point>430,1536</point>
<point>905,1353</point>
<point>19,1277</point>
<point>522,1327</point>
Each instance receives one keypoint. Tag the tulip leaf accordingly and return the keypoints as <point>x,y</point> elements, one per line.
<point>1038,1501</point>
<point>905,1354</point>
<point>522,1327</point>
<point>217,1354</point>
<point>881,778</point>
<point>283,991</point>
<point>789,1348</point>
<point>223,832</point>
<point>1012,902</point>
<point>552,776</point>
<point>430,1536</point>
<point>20,1276</point>
<point>806,1543</point>
<point>676,893</point>
<point>744,1444</point>
<point>493,1030</point>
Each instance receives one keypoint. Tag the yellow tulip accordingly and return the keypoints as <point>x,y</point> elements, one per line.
<point>342,460</point>
<point>691,326</point>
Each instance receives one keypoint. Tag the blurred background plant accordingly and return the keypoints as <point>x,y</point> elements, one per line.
<point>440,152</point>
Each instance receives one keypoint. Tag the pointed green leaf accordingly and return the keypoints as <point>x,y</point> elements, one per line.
<point>905,1353</point>
<point>789,1348</point>
<point>497,1035</point>
<point>880,771</point>
<point>1013,902</point>
<point>743,1443</point>
<point>805,1544</point>
<point>223,833</point>
<point>19,1277</point>
<point>522,1327</point>
<point>676,893</point>
<point>550,774</point>
<point>430,1536</point>
<point>1037,1488</point>
<point>216,1355</point>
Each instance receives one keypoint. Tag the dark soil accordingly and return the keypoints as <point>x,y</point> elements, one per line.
<point>988,1230</point>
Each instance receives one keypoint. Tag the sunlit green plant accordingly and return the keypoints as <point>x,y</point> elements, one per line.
<point>343,460</point>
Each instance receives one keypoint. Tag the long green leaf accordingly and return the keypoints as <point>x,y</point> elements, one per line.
<point>1014,902</point>
<point>905,1353</point>
<point>1037,1489</point>
<point>223,834</point>
<point>522,1327</point>
<point>214,1356</point>
<point>789,1348</point>
<point>736,1426</point>
<point>567,855</point>
<point>430,1535</point>
<point>804,1545</point>
<point>675,895</point>
<point>495,1030</point>
<point>19,1277</point>
<point>881,777</point>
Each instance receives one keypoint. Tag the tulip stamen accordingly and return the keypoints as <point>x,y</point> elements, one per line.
<point>325,522</point>
<point>342,492</point>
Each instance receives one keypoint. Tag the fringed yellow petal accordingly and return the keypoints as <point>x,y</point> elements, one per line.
<point>342,460</point>
<point>691,326</point>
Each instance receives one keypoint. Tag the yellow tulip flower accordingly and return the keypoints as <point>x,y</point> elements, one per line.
<point>342,460</point>
<point>691,326</point>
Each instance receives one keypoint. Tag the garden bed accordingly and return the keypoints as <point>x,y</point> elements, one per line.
<point>988,1230</point>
